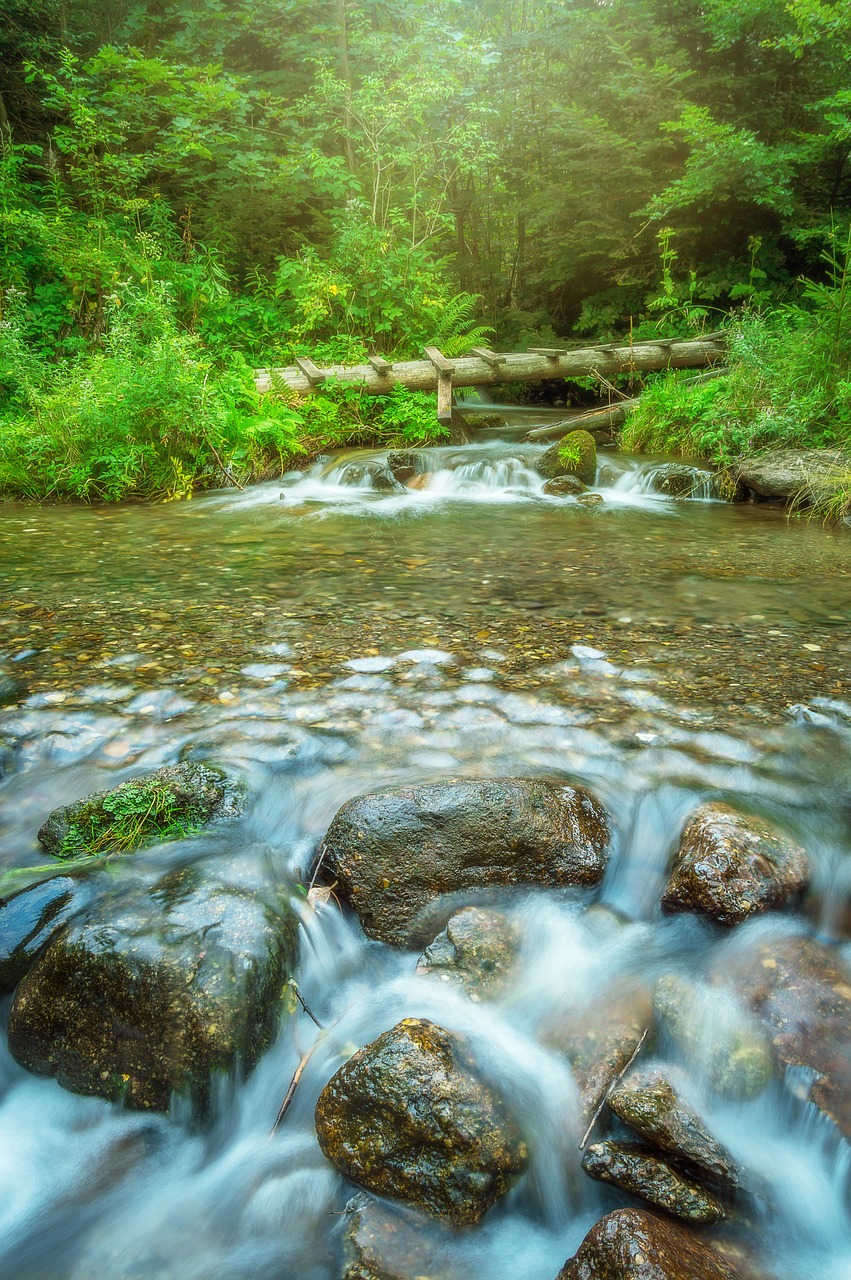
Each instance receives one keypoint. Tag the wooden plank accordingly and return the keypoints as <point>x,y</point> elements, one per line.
<point>311,371</point>
<point>444,399</point>
<point>552,353</point>
<point>489,357</point>
<point>441,364</point>
<point>381,366</point>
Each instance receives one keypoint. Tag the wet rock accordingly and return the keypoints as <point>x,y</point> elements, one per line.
<point>573,455</point>
<point>370,475</point>
<point>564,487</point>
<point>632,1244</point>
<point>389,1242</point>
<point>422,481</point>
<point>600,1040</point>
<point>802,991</point>
<point>29,919</point>
<point>730,866</point>
<point>11,691</point>
<point>650,1104</point>
<point>590,499</point>
<point>678,480</point>
<point>637,1169</point>
<point>408,1117</point>
<point>167,804</point>
<point>392,852</point>
<point>159,992</point>
<point>403,464</point>
<point>489,421</point>
<point>477,951</point>
<point>716,1036</point>
<point>783,473</point>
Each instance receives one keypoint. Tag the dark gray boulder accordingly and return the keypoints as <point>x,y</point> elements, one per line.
<point>160,992</point>
<point>403,464</point>
<point>650,1104</point>
<point>393,852</point>
<point>29,919</point>
<point>166,804</point>
<point>730,866</point>
<point>636,1169</point>
<point>678,480</point>
<point>409,1117</point>
<point>785,473</point>
<point>631,1244</point>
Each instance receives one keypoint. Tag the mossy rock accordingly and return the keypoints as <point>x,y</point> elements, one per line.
<point>410,1118</point>
<point>636,1169</point>
<point>167,804</point>
<point>574,455</point>
<point>158,993</point>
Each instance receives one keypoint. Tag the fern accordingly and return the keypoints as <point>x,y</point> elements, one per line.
<point>457,332</point>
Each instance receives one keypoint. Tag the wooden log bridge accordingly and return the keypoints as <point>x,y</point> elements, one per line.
<point>484,367</point>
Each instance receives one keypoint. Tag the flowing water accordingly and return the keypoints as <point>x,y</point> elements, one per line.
<point>321,639</point>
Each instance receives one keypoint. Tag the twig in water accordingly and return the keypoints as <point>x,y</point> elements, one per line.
<point>290,1093</point>
<point>304,1005</point>
<point>605,1098</point>
<point>318,866</point>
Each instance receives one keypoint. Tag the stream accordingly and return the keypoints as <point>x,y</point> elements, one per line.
<point>319,639</point>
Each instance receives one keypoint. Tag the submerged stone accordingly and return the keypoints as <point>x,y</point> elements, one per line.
<point>649,1103</point>
<point>730,866</point>
<point>477,951</point>
<point>636,1169</point>
<point>159,993</point>
<point>29,919</point>
<point>600,1039</point>
<point>632,1244</point>
<point>385,1241</point>
<point>167,804</point>
<point>678,480</point>
<point>408,1117</point>
<point>802,990</point>
<point>718,1037</point>
<point>575,454</point>
<point>393,852</point>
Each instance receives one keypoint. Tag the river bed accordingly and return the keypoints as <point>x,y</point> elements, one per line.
<point>320,639</point>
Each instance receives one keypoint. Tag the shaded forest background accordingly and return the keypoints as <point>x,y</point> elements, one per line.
<point>190,189</point>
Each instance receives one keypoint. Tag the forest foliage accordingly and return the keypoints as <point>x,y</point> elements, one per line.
<point>189,188</point>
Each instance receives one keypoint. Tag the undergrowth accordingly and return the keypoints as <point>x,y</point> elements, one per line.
<point>127,819</point>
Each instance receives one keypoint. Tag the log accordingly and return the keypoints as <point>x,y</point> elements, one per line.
<point>472,371</point>
<point>607,417</point>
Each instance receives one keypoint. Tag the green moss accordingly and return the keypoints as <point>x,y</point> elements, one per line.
<point>146,813</point>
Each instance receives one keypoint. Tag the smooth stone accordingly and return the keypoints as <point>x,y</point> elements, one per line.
<point>636,1169</point>
<point>632,1244</point>
<point>564,487</point>
<point>393,852</point>
<point>784,473</point>
<point>477,951</point>
<point>730,866</point>
<point>600,1039</point>
<point>384,1241</point>
<point>408,1117</point>
<point>159,992</point>
<point>29,919</point>
<point>648,1102</point>
<point>677,480</point>
<point>200,794</point>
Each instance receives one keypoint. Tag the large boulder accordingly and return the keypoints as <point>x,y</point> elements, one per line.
<point>167,804</point>
<point>718,1037</point>
<point>802,990</point>
<point>573,455</point>
<point>409,1117</point>
<point>476,951</point>
<point>631,1244</point>
<point>729,866</point>
<point>29,919</point>
<point>649,1102</point>
<point>160,992</point>
<point>393,852</point>
<point>784,473</point>
<point>636,1169</point>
